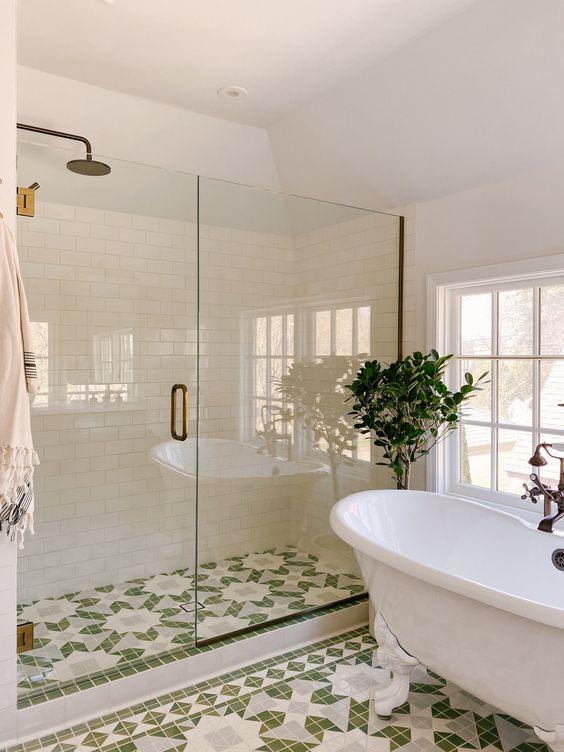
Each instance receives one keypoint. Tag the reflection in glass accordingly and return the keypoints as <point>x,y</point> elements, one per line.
<point>109,265</point>
<point>296,327</point>
<point>344,331</point>
<point>267,329</point>
<point>40,334</point>
<point>363,329</point>
<point>323,333</point>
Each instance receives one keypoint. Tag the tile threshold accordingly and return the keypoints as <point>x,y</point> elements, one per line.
<point>63,689</point>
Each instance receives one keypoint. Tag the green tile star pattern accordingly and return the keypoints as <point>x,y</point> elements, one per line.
<point>83,634</point>
<point>314,698</point>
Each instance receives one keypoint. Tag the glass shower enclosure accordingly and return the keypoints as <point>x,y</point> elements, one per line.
<point>193,339</point>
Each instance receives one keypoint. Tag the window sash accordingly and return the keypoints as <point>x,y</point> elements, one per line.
<point>451,327</point>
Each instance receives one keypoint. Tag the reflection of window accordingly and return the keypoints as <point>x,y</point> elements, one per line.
<point>514,331</point>
<point>273,352</point>
<point>342,331</point>
<point>324,343</point>
<point>113,357</point>
<point>106,377</point>
<point>40,334</point>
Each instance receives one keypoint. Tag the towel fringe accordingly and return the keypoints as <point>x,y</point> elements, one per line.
<point>17,465</point>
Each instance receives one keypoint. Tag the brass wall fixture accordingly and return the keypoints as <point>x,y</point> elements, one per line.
<point>24,634</point>
<point>25,200</point>
<point>87,166</point>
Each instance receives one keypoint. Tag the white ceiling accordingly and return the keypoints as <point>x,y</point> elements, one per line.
<point>474,101</point>
<point>284,52</point>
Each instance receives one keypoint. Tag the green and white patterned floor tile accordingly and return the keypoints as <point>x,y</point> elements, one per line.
<point>315,698</point>
<point>81,634</point>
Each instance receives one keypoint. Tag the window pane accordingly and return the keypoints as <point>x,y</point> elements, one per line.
<point>343,331</point>
<point>260,342</point>
<point>515,391</point>
<point>476,324</point>
<point>515,312</point>
<point>552,316</point>
<point>323,333</point>
<point>552,394</point>
<point>276,335</point>
<point>550,472</point>
<point>513,451</point>
<point>290,334</point>
<point>363,328</point>
<point>479,406</point>
<point>260,377</point>
<point>475,455</point>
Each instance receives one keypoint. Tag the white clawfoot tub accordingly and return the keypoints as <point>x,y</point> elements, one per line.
<point>469,592</point>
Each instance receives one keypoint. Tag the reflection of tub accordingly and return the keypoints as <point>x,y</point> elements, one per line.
<point>222,459</point>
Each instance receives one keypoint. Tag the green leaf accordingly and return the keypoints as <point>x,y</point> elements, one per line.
<point>406,405</point>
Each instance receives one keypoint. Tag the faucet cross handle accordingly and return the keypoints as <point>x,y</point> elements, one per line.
<point>530,493</point>
<point>538,489</point>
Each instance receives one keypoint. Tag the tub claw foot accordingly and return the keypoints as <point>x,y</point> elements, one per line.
<point>554,739</point>
<point>391,656</point>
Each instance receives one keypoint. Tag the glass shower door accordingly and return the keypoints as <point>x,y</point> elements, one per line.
<point>294,295</point>
<point>110,268</point>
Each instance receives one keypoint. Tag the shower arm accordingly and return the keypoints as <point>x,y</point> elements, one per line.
<point>58,134</point>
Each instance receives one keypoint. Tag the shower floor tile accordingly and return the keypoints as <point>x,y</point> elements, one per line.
<point>80,634</point>
<point>314,698</point>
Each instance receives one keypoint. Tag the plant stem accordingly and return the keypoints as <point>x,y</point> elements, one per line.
<point>403,482</point>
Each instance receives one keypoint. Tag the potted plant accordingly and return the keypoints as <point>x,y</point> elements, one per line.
<point>407,408</point>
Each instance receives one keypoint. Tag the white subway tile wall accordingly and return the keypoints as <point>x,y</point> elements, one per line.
<point>115,296</point>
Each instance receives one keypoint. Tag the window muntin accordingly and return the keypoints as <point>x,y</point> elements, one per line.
<point>514,331</point>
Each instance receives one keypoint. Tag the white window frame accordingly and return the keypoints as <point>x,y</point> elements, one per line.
<point>442,465</point>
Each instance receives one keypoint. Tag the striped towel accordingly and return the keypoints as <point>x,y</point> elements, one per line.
<point>18,378</point>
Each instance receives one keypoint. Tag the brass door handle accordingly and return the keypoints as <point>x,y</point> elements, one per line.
<point>184,389</point>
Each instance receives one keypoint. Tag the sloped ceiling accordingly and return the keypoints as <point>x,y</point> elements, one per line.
<point>476,100</point>
<point>284,52</point>
<point>400,101</point>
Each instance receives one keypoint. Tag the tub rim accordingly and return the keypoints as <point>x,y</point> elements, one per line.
<point>536,611</point>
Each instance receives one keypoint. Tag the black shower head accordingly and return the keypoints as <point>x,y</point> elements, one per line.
<point>88,166</point>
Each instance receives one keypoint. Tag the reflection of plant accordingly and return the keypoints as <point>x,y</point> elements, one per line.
<point>407,408</point>
<point>315,392</point>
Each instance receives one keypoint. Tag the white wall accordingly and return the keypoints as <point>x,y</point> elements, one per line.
<point>7,207</point>
<point>140,130</point>
<point>512,220</point>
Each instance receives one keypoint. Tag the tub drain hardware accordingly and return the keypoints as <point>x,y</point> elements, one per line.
<point>558,559</point>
